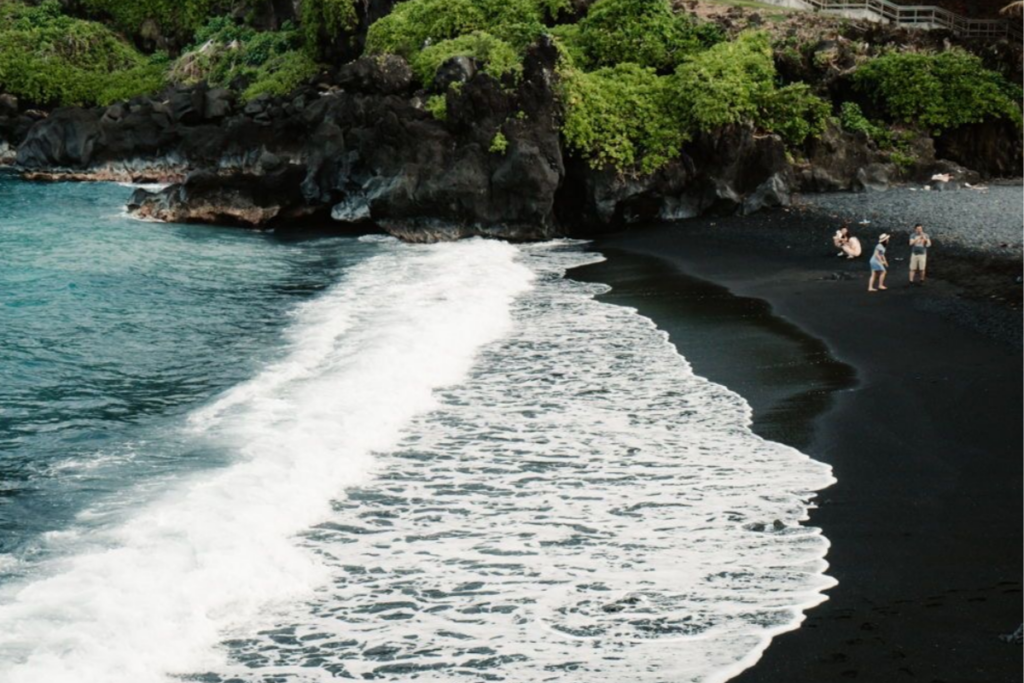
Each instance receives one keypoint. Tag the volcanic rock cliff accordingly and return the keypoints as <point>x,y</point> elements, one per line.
<point>358,147</point>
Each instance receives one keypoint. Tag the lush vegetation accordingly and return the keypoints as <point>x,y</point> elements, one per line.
<point>51,59</point>
<point>495,32</point>
<point>437,105</point>
<point>497,56</point>
<point>644,32</point>
<point>795,113</point>
<point>499,143</point>
<point>636,79</point>
<point>256,62</point>
<point>173,18</point>
<point>326,18</point>
<point>853,119</point>
<point>896,141</point>
<point>938,91</point>
<point>726,84</point>
<point>630,117</point>
<point>621,116</point>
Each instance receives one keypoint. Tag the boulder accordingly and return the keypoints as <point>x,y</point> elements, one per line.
<point>775,191</point>
<point>217,104</point>
<point>874,177</point>
<point>732,170</point>
<point>355,209</point>
<point>65,139</point>
<point>188,106</point>
<point>834,161</point>
<point>8,105</point>
<point>256,106</point>
<point>207,197</point>
<point>454,70</point>
<point>384,75</point>
<point>114,113</point>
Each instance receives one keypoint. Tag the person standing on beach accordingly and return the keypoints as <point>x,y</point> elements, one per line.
<point>919,243</point>
<point>879,264</point>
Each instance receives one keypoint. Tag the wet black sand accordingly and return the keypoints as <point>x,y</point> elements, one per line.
<point>913,395</point>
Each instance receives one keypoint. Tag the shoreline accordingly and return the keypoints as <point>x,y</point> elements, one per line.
<point>924,520</point>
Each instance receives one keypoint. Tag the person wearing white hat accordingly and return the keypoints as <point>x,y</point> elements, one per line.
<point>879,264</point>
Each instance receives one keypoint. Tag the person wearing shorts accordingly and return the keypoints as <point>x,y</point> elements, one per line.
<point>919,243</point>
<point>879,264</point>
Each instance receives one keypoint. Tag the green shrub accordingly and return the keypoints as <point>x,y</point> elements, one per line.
<point>725,84</point>
<point>852,119</point>
<point>938,91</point>
<point>437,105</point>
<point>267,62</point>
<point>327,18</point>
<point>499,144</point>
<point>902,159</point>
<point>429,26</point>
<point>646,32</point>
<point>176,18</point>
<point>794,112</point>
<point>620,117</point>
<point>630,118</point>
<point>411,24</point>
<point>48,58</point>
<point>281,74</point>
<point>497,56</point>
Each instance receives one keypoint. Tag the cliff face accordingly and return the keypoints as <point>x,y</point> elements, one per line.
<point>360,148</point>
<point>363,151</point>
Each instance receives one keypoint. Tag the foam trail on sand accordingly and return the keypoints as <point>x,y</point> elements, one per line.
<point>581,509</point>
<point>361,361</point>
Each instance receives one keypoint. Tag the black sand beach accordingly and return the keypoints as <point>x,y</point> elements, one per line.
<point>914,397</point>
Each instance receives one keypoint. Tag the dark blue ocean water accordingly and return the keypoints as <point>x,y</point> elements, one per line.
<point>110,328</point>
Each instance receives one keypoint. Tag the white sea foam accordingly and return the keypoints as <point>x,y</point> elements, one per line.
<point>576,506</point>
<point>126,214</point>
<point>149,187</point>
<point>362,360</point>
<point>583,508</point>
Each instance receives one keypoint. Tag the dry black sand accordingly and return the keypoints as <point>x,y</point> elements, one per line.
<point>914,397</point>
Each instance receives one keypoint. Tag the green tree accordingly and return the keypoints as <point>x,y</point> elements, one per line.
<point>434,27</point>
<point>621,117</point>
<point>938,91</point>
<point>725,84</point>
<point>48,58</point>
<point>265,62</point>
<point>497,56</point>
<point>645,32</point>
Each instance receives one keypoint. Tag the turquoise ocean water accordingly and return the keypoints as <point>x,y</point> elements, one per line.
<point>228,455</point>
<point>111,329</point>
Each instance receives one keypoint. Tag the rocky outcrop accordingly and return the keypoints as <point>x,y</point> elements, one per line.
<point>731,171</point>
<point>205,197</point>
<point>359,149</point>
<point>993,148</point>
<point>840,160</point>
<point>366,155</point>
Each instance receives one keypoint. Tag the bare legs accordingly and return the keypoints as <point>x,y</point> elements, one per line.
<point>880,274</point>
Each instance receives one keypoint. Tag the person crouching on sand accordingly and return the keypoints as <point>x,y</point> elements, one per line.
<point>879,264</point>
<point>849,245</point>
<point>919,243</point>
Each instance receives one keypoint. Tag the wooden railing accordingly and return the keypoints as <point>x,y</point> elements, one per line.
<point>919,16</point>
